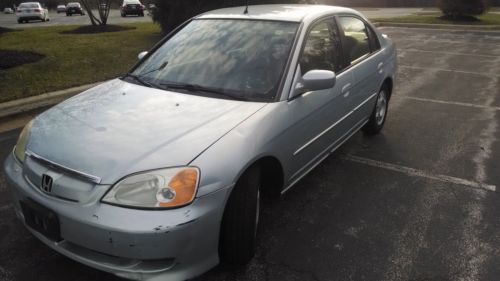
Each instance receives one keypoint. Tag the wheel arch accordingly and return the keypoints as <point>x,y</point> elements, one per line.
<point>271,175</point>
<point>389,83</point>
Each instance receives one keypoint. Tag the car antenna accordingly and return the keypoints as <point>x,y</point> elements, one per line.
<point>246,9</point>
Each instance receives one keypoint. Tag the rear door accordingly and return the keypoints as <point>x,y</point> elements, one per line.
<point>364,59</point>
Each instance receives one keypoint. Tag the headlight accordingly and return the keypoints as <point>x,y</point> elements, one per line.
<point>20,148</point>
<point>165,188</point>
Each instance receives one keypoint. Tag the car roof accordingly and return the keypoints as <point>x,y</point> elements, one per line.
<point>293,13</point>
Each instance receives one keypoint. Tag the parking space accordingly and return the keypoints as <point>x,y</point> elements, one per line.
<point>418,202</point>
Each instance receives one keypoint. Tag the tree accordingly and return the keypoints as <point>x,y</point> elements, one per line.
<point>457,9</point>
<point>102,7</point>
<point>171,13</point>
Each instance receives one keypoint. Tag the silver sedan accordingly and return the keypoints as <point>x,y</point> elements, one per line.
<point>158,175</point>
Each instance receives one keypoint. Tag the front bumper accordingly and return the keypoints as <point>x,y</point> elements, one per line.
<point>138,244</point>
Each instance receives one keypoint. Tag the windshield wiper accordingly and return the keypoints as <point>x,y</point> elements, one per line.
<point>141,80</point>
<point>198,88</point>
<point>161,67</point>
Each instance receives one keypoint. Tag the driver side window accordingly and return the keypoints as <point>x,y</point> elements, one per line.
<point>321,49</point>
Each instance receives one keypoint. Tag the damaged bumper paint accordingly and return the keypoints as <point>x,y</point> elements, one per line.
<point>139,244</point>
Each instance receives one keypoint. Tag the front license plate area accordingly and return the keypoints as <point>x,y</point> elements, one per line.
<point>41,219</point>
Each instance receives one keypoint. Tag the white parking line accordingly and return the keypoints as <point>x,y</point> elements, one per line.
<point>418,173</point>
<point>451,103</point>
<point>449,41</point>
<point>450,70</point>
<point>451,53</point>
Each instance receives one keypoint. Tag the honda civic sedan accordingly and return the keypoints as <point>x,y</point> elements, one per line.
<point>158,175</point>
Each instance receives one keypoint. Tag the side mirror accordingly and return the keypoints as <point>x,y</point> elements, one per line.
<point>315,80</point>
<point>142,54</point>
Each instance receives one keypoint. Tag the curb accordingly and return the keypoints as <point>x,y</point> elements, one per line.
<point>485,28</point>
<point>27,104</point>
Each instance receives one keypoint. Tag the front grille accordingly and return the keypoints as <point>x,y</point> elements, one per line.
<point>65,185</point>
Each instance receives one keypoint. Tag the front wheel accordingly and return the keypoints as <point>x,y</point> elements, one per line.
<point>241,219</point>
<point>379,114</point>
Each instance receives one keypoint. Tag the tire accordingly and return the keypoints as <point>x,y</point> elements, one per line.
<point>379,114</point>
<point>240,220</point>
<point>19,21</point>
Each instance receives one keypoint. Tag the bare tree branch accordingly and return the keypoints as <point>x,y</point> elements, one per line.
<point>102,7</point>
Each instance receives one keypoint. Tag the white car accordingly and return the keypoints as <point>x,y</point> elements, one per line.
<point>8,11</point>
<point>31,11</point>
<point>61,9</point>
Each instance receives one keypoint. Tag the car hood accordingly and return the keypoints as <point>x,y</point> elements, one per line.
<point>119,128</point>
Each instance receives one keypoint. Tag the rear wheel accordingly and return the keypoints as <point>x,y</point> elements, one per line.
<point>19,21</point>
<point>240,221</point>
<point>379,115</point>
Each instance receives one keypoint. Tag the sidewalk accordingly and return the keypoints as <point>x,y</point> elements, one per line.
<point>44,100</point>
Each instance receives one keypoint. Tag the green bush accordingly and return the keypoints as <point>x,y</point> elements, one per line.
<point>462,8</point>
<point>171,13</point>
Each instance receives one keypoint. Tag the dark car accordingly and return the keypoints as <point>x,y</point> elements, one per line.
<point>132,7</point>
<point>74,8</point>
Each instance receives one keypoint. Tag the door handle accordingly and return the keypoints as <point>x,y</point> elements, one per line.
<point>345,90</point>
<point>380,68</point>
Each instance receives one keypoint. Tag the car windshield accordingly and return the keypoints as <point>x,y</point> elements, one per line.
<point>236,58</point>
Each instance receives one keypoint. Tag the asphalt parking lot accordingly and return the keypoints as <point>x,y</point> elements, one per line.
<point>10,20</point>
<point>418,202</point>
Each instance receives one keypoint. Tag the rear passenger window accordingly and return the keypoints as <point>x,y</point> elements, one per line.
<point>321,50</point>
<point>356,42</point>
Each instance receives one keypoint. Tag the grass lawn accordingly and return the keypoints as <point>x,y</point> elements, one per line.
<point>71,59</point>
<point>434,18</point>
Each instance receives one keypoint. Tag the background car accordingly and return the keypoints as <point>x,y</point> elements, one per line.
<point>61,9</point>
<point>31,11</point>
<point>8,11</point>
<point>132,7</point>
<point>74,8</point>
